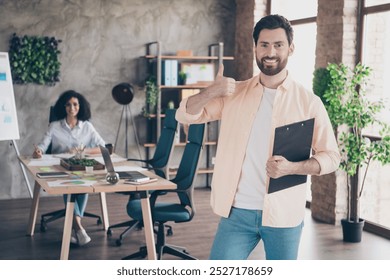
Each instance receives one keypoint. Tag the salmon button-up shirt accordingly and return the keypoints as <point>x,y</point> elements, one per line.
<point>293,103</point>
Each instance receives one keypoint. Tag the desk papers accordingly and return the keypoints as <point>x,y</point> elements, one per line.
<point>71,183</point>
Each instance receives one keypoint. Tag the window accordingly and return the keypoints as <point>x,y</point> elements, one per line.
<point>293,10</point>
<point>375,203</point>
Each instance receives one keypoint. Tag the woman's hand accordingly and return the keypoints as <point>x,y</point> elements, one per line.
<point>37,153</point>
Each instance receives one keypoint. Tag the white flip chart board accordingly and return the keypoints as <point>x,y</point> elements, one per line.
<point>9,129</point>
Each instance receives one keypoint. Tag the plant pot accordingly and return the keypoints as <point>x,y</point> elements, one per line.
<point>352,231</point>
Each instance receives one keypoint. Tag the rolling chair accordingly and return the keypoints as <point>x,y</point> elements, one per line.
<point>180,211</point>
<point>158,163</point>
<point>55,215</point>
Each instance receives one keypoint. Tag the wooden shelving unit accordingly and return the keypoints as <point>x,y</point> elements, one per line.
<point>215,56</point>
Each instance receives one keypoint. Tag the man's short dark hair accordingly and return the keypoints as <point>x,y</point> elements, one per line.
<point>273,22</point>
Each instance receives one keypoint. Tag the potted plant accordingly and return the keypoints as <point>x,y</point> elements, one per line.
<point>350,112</point>
<point>151,90</point>
<point>182,77</point>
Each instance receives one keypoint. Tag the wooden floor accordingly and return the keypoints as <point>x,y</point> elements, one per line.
<point>319,241</point>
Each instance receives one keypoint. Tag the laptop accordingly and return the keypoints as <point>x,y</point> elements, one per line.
<point>134,176</point>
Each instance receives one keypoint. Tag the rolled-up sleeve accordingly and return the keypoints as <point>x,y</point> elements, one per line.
<point>183,117</point>
<point>325,146</point>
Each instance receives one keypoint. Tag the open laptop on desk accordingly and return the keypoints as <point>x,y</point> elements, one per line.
<point>131,175</point>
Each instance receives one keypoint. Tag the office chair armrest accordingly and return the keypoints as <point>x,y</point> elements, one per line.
<point>136,159</point>
<point>155,194</point>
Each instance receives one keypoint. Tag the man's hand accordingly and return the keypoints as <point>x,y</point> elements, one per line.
<point>222,86</point>
<point>278,166</point>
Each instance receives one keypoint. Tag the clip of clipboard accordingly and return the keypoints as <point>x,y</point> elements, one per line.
<point>292,141</point>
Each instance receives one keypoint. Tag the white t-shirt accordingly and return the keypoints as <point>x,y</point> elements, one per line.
<point>251,188</point>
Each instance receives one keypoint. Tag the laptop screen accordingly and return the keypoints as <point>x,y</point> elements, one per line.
<point>122,174</point>
<point>107,159</point>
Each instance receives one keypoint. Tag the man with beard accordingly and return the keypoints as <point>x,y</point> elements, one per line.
<point>249,112</point>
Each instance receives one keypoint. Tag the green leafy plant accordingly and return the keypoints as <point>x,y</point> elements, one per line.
<point>182,77</point>
<point>34,59</point>
<point>151,90</point>
<point>350,110</point>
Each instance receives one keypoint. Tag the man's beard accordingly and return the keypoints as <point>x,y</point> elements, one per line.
<point>272,70</point>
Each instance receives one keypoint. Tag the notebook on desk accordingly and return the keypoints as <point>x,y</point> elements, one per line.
<point>134,176</point>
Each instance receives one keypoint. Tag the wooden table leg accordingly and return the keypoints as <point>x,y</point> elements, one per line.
<point>103,206</point>
<point>67,227</point>
<point>148,225</point>
<point>34,210</point>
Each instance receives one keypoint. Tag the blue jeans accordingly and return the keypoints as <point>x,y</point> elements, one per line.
<point>80,203</point>
<point>239,234</point>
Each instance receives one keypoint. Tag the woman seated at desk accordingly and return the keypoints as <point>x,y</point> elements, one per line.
<point>71,130</point>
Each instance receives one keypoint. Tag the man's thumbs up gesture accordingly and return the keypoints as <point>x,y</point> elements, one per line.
<point>222,86</point>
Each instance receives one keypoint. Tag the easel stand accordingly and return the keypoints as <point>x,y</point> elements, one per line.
<point>13,143</point>
<point>126,111</point>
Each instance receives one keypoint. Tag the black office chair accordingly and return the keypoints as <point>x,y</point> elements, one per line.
<point>158,163</point>
<point>55,215</point>
<point>179,211</point>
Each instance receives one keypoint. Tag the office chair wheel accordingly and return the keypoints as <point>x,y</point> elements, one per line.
<point>169,232</point>
<point>99,221</point>
<point>109,232</point>
<point>118,242</point>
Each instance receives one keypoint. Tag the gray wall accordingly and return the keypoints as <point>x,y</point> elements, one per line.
<point>102,42</point>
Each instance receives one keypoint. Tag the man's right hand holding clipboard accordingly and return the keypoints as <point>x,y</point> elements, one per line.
<point>291,156</point>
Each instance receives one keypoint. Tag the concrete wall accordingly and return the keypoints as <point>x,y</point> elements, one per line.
<point>102,42</point>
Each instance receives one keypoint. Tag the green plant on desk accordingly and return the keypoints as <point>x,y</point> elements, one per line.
<point>82,162</point>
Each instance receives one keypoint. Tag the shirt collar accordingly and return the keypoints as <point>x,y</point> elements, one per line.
<point>283,87</point>
<point>79,124</point>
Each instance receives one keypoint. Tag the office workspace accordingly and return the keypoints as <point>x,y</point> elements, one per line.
<point>96,60</point>
<point>95,184</point>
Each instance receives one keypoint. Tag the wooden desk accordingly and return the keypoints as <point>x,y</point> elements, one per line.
<point>100,187</point>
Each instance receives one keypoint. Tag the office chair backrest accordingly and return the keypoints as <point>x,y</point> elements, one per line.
<point>52,118</point>
<point>189,162</point>
<point>164,146</point>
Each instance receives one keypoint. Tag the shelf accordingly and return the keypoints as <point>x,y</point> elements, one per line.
<point>189,57</point>
<point>173,171</point>
<point>182,144</point>
<point>194,86</point>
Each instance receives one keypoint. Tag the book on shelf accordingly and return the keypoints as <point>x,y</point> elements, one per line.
<point>169,73</point>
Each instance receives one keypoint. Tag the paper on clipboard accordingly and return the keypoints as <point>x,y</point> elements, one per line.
<point>292,141</point>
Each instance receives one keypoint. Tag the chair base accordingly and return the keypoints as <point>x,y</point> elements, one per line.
<point>130,225</point>
<point>166,249</point>
<point>55,215</point>
<point>162,247</point>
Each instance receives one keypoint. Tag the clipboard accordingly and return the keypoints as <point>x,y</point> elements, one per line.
<point>292,141</point>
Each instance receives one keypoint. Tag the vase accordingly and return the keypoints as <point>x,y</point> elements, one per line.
<point>352,231</point>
